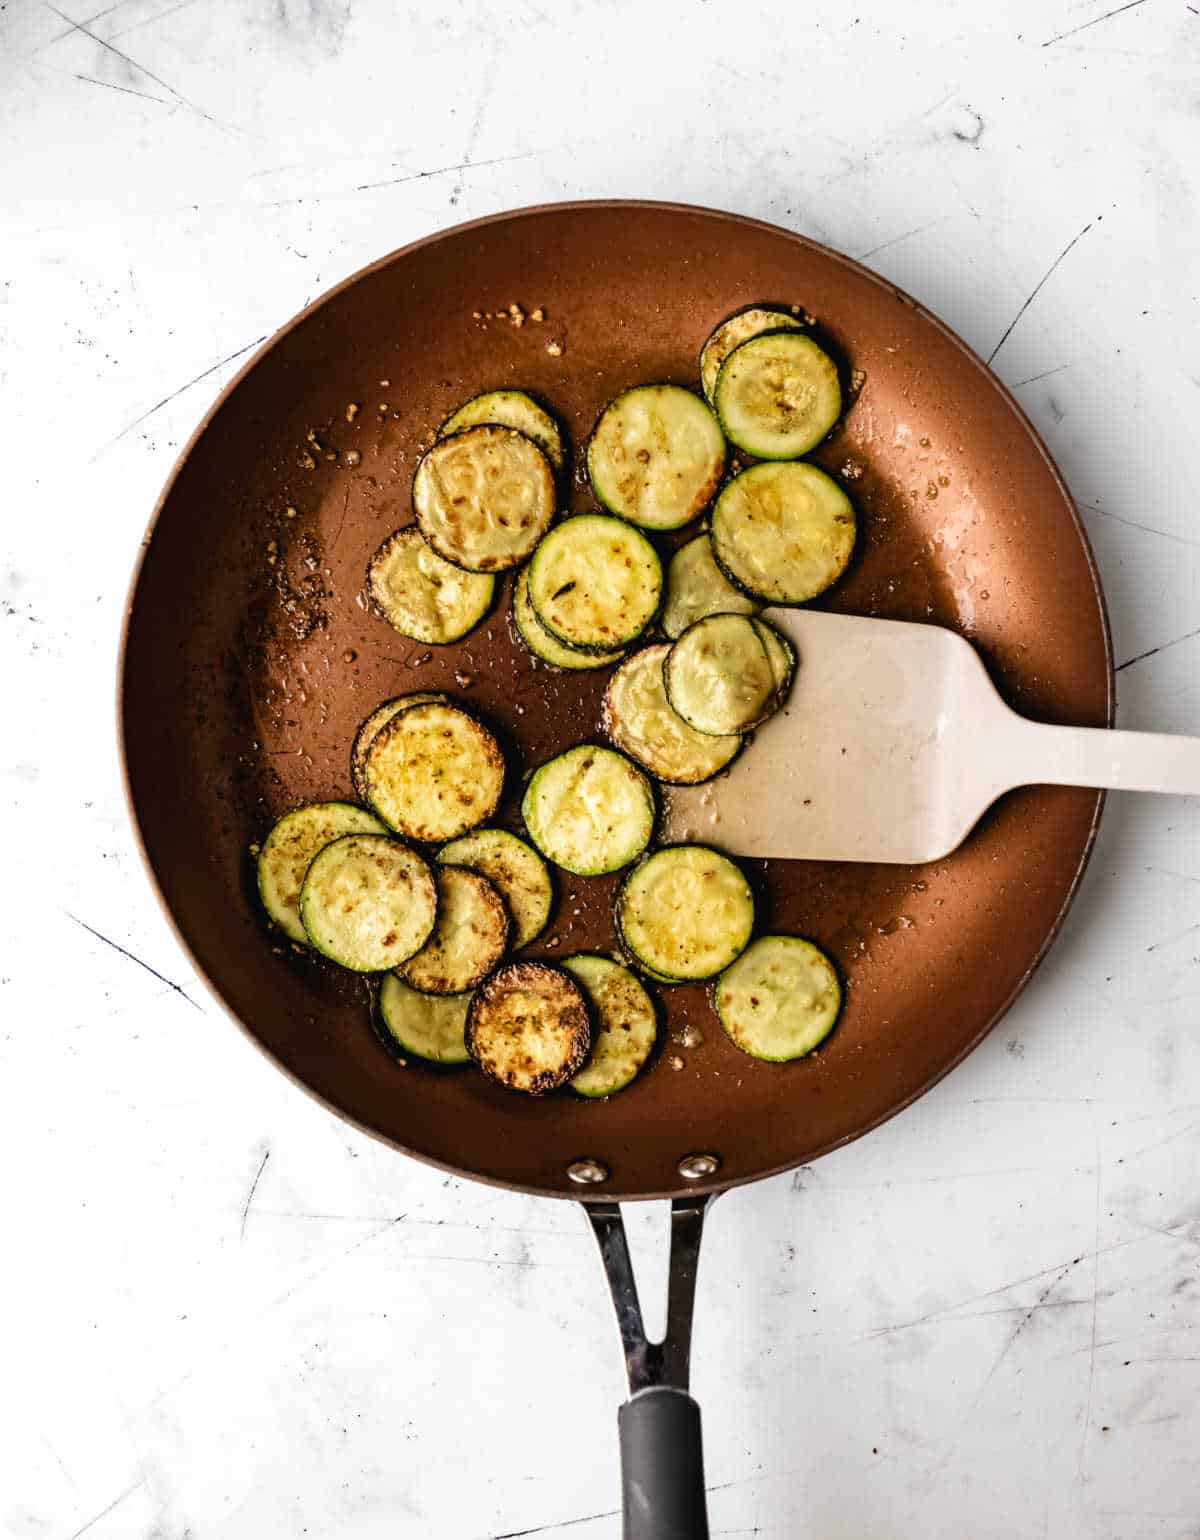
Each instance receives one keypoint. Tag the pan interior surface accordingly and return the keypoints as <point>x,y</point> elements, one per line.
<point>251,658</point>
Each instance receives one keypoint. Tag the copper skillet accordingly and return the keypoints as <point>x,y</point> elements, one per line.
<point>248,661</point>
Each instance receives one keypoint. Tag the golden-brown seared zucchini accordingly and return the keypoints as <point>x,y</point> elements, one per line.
<point>595,583</point>
<point>626,1024</point>
<point>288,850</point>
<point>469,937</point>
<point>433,772</point>
<point>484,497</point>
<point>365,735</point>
<point>718,676</point>
<point>528,1027</point>
<point>368,902</point>
<point>739,328</point>
<point>784,533</point>
<point>422,595</point>
<point>510,409</point>
<point>515,869</point>
<point>656,456</point>
<point>640,720</point>
<point>685,912</point>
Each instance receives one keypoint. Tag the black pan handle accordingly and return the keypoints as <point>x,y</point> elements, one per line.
<point>662,1466</point>
<point>662,1461</point>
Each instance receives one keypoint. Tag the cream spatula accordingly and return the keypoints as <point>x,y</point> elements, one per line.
<point>892,744</point>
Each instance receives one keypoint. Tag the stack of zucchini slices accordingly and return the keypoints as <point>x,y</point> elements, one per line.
<point>419,888</point>
<point>416,885</point>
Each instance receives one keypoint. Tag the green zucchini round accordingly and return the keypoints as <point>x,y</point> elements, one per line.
<point>365,735</point>
<point>510,409</point>
<point>640,721</point>
<point>595,583</point>
<point>288,851</point>
<point>468,939</point>
<point>484,497</point>
<point>696,587</point>
<point>539,641</point>
<point>718,676</point>
<point>685,912</point>
<point>780,999</point>
<point>519,874</point>
<point>778,395</point>
<point>368,902</point>
<point>422,595</point>
<point>781,655</point>
<point>433,772</point>
<point>656,456</point>
<point>430,1027</point>
<point>626,1024</point>
<point>784,533</point>
<point>739,328</point>
<point>589,810</point>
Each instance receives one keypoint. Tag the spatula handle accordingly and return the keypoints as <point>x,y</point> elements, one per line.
<point>1102,757</point>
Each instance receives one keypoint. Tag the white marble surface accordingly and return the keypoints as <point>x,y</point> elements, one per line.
<point>223,1314</point>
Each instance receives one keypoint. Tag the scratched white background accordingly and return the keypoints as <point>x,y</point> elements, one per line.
<point>983,1320</point>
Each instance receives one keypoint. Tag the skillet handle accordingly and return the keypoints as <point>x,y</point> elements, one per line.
<point>662,1461</point>
<point>662,1466</point>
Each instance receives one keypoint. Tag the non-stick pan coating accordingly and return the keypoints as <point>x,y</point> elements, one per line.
<point>250,659</point>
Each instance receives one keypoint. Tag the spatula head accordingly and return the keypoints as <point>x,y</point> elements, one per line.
<point>881,752</point>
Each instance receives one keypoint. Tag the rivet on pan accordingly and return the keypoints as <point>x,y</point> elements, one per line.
<point>588,1172</point>
<point>694,1168</point>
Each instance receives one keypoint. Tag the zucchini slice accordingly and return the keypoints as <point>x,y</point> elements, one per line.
<point>368,902</point>
<point>780,999</point>
<point>696,587</point>
<point>595,583</point>
<point>626,1024</point>
<point>469,937</point>
<point>778,395</point>
<point>685,912</point>
<point>656,456</point>
<point>640,720</point>
<point>515,869</point>
<point>431,1027</point>
<point>288,850</point>
<point>528,1027</point>
<point>510,409</point>
<point>484,497</point>
<point>737,329</point>
<point>781,655</point>
<point>433,772</point>
<point>423,596</point>
<point>365,735</point>
<point>718,676</point>
<point>784,533</point>
<point>541,643</point>
<point>589,810</point>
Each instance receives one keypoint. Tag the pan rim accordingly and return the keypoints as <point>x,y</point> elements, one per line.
<point>609,1192</point>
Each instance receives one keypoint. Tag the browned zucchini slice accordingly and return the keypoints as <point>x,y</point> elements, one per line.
<point>484,497</point>
<point>368,902</point>
<point>365,735</point>
<point>433,772</point>
<point>528,1027</point>
<point>421,594</point>
<point>469,937</point>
